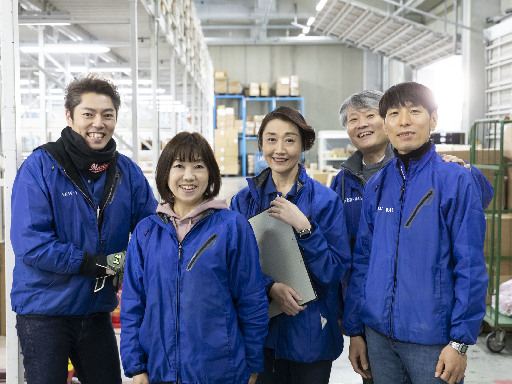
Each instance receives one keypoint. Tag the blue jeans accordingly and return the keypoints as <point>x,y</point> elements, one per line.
<point>281,371</point>
<point>89,341</point>
<point>396,362</point>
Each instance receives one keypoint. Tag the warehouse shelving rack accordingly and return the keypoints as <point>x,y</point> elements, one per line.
<point>272,103</point>
<point>486,139</point>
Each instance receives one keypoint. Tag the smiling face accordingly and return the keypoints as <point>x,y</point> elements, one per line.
<point>365,129</point>
<point>408,127</point>
<point>187,181</point>
<point>94,119</point>
<point>282,146</point>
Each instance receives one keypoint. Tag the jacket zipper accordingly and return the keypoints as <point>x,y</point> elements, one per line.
<point>180,254</point>
<point>100,211</point>
<point>425,200</point>
<point>402,189</point>
<point>207,245</point>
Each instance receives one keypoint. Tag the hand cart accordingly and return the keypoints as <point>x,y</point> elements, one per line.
<point>486,139</point>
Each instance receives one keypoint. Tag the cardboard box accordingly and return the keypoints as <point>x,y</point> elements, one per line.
<point>220,75</point>
<point>235,87</point>
<point>264,90</point>
<point>226,142</point>
<point>250,128</point>
<point>294,86</point>
<point>283,86</point>
<point>221,86</point>
<point>254,89</point>
<point>506,237</point>
<point>228,165</point>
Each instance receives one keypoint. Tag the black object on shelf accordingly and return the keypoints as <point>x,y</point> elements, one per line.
<point>448,137</point>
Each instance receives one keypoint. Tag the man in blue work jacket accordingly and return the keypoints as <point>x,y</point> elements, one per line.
<point>74,204</point>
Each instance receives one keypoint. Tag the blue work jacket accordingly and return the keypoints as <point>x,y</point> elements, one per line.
<point>418,267</point>
<point>349,185</point>
<point>314,333</point>
<point>54,221</point>
<point>194,311</point>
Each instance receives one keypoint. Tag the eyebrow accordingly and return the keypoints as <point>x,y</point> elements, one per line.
<point>286,133</point>
<point>94,110</point>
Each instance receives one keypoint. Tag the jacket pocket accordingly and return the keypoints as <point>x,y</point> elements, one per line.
<point>206,245</point>
<point>425,200</point>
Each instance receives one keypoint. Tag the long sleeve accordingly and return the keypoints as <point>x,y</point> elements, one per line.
<point>132,311</point>
<point>467,236</point>
<point>360,261</point>
<point>33,231</point>
<point>486,190</point>
<point>248,294</point>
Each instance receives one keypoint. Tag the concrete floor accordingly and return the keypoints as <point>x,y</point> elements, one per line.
<point>484,367</point>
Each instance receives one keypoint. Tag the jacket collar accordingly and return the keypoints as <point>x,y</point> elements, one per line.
<point>257,183</point>
<point>354,164</point>
<point>416,164</point>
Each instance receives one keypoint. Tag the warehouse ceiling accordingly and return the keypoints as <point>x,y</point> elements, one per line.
<point>417,32</point>
<point>414,31</point>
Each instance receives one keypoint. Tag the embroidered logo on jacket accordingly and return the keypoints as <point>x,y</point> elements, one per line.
<point>96,168</point>
<point>386,209</point>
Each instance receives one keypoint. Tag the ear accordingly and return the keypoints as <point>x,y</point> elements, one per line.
<point>384,127</point>
<point>433,121</point>
<point>69,120</point>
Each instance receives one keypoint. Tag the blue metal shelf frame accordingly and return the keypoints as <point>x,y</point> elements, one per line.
<point>242,114</point>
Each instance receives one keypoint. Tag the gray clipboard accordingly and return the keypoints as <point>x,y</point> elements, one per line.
<point>281,257</point>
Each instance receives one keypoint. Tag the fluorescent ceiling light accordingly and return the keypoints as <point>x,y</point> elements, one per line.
<point>95,69</point>
<point>305,30</point>
<point>301,36</point>
<point>129,82</point>
<point>141,90</point>
<point>50,23</point>
<point>67,48</point>
<point>320,5</point>
<point>310,22</point>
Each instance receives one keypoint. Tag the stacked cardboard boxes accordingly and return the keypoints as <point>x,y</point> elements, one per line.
<point>283,86</point>
<point>226,141</point>
<point>287,86</point>
<point>220,81</point>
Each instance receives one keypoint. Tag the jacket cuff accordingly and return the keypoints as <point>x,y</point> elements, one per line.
<point>93,265</point>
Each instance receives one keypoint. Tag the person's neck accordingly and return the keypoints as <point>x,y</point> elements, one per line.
<point>284,181</point>
<point>372,157</point>
<point>183,210</point>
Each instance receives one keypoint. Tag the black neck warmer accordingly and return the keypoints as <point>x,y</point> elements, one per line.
<point>92,163</point>
<point>413,155</point>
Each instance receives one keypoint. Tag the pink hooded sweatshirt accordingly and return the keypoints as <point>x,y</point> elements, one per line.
<point>184,224</point>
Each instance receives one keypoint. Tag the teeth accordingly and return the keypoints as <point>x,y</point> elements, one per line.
<point>365,134</point>
<point>96,135</point>
<point>188,187</point>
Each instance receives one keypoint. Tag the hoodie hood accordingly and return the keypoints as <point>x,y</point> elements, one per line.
<point>184,224</point>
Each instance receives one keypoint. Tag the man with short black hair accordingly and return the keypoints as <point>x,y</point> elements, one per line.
<point>74,204</point>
